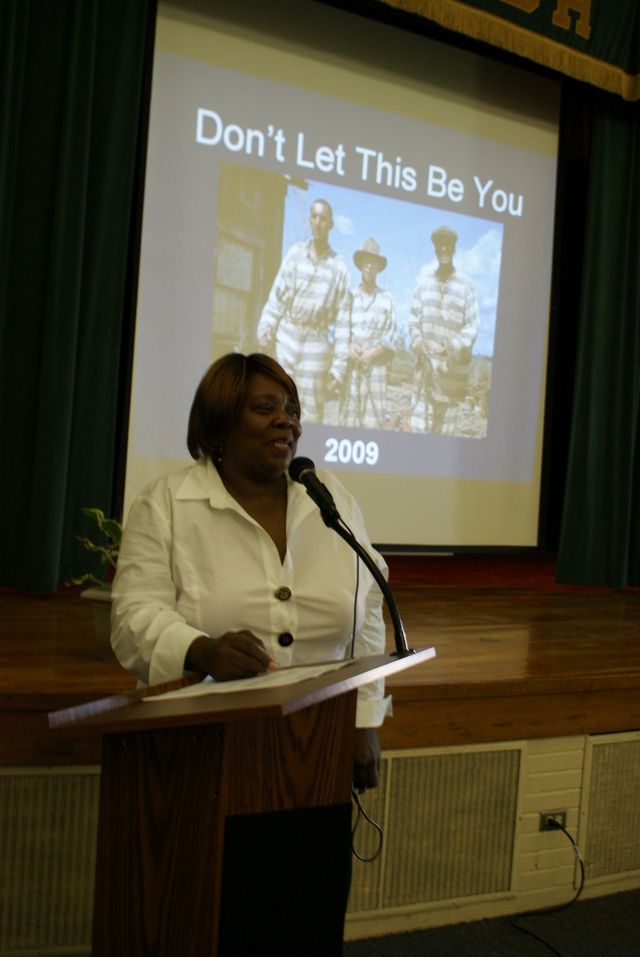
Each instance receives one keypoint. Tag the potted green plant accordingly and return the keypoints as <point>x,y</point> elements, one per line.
<point>99,590</point>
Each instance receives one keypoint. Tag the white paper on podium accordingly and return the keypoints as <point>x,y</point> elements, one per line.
<point>269,679</point>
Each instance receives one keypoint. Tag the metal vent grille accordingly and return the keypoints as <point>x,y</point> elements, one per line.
<point>449,829</point>
<point>48,828</point>
<point>612,841</point>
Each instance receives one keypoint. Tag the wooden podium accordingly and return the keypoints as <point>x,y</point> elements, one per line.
<point>225,817</point>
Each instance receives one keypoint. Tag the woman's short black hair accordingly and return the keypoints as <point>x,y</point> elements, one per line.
<point>220,396</point>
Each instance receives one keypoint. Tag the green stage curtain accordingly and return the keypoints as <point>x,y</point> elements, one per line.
<point>74,84</point>
<point>600,534</point>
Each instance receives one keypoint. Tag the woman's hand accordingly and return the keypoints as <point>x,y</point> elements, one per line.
<point>366,759</point>
<point>236,654</point>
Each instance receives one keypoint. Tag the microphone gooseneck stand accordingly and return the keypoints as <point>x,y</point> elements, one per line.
<point>303,470</point>
<point>398,628</point>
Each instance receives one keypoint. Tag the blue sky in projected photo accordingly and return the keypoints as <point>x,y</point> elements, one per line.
<point>403,231</point>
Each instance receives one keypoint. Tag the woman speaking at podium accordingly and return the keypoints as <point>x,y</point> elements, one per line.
<point>227,568</point>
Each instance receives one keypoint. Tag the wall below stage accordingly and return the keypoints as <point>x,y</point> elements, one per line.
<point>461,838</point>
<point>461,831</point>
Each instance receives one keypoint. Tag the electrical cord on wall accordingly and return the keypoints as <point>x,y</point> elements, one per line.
<point>559,907</point>
<point>361,813</point>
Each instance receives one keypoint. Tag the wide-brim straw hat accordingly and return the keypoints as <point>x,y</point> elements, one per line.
<point>369,248</point>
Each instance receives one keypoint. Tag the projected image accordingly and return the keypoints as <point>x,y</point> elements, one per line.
<point>388,243</point>
<point>382,310</point>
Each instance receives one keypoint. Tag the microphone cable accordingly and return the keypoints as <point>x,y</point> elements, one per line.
<point>355,607</point>
<point>355,594</point>
<point>361,813</point>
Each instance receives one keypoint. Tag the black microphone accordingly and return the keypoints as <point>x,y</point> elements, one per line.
<point>304,471</point>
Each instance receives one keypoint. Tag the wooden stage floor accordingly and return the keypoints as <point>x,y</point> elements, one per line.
<point>517,657</point>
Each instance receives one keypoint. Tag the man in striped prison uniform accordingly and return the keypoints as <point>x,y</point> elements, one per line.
<point>366,346</point>
<point>307,303</point>
<point>443,324</point>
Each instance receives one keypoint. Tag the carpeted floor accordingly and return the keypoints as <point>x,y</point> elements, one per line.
<point>601,927</point>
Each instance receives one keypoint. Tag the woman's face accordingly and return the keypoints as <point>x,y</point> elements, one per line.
<point>264,438</point>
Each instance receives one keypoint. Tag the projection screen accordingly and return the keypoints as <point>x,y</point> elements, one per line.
<point>260,110</point>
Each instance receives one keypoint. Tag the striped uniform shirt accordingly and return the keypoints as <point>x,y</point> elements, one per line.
<point>307,302</point>
<point>446,312</point>
<point>372,323</point>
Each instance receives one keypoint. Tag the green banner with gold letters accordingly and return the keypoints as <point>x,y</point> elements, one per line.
<point>595,41</point>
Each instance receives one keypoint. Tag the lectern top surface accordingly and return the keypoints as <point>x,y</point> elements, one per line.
<point>135,711</point>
